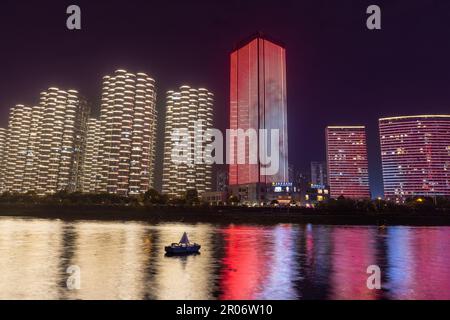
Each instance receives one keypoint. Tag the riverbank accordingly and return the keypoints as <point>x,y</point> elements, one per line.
<point>222,215</point>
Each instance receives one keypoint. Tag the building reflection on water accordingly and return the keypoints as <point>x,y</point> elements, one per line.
<point>314,249</point>
<point>111,257</point>
<point>419,259</point>
<point>246,262</point>
<point>284,267</point>
<point>30,252</point>
<point>127,261</point>
<point>353,252</point>
<point>251,270</point>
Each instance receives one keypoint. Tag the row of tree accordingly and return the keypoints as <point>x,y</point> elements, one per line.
<point>151,197</point>
<point>191,198</point>
<point>421,204</point>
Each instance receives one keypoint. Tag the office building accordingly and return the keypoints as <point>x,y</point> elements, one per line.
<point>222,181</point>
<point>258,101</point>
<point>319,173</point>
<point>316,194</point>
<point>347,163</point>
<point>415,153</point>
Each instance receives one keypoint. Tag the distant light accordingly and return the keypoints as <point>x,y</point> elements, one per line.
<point>420,116</point>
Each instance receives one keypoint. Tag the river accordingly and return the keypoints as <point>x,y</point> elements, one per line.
<point>126,260</point>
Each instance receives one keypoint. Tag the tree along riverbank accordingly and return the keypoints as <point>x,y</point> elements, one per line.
<point>226,214</point>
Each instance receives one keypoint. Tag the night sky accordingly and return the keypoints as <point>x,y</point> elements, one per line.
<point>339,72</point>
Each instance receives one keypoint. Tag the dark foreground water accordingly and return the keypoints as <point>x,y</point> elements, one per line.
<point>126,261</point>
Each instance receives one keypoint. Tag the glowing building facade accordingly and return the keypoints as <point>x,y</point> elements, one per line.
<point>61,133</point>
<point>127,141</point>
<point>189,112</point>
<point>415,152</point>
<point>91,155</point>
<point>258,101</point>
<point>3,136</point>
<point>21,149</point>
<point>44,146</point>
<point>347,162</point>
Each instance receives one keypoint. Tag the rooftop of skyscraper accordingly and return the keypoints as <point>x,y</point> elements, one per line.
<point>258,35</point>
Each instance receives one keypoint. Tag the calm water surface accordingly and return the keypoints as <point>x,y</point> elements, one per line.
<point>125,260</point>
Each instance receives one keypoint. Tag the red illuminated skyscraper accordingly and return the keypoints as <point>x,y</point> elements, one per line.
<point>415,152</point>
<point>347,162</point>
<point>258,101</point>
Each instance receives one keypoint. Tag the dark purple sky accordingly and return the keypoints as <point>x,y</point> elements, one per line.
<point>339,73</point>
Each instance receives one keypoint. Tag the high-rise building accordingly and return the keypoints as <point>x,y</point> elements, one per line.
<point>127,142</point>
<point>91,155</point>
<point>415,152</point>
<point>188,113</point>
<point>258,101</point>
<point>44,147</point>
<point>60,141</point>
<point>347,163</point>
<point>222,181</point>
<point>302,182</point>
<point>291,173</point>
<point>19,158</point>
<point>3,137</point>
<point>20,166</point>
<point>319,173</point>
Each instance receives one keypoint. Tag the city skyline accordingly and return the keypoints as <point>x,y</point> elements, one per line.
<point>327,72</point>
<point>61,121</point>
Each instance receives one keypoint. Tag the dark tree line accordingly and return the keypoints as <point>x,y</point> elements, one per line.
<point>150,198</point>
<point>191,198</point>
<point>413,204</point>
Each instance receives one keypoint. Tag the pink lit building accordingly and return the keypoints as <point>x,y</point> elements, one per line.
<point>258,101</point>
<point>415,153</point>
<point>348,172</point>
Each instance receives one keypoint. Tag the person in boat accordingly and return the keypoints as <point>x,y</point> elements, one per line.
<point>184,246</point>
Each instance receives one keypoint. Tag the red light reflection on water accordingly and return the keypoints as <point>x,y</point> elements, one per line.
<point>353,252</point>
<point>259,263</point>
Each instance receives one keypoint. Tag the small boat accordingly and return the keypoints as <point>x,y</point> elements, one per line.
<point>183,247</point>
